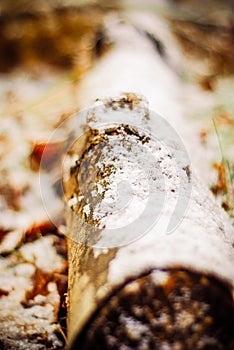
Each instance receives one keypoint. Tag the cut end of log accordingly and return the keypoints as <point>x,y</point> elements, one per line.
<point>163,309</point>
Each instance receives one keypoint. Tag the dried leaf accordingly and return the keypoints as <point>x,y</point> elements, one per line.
<point>3,233</point>
<point>11,195</point>
<point>3,292</point>
<point>38,230</point>
<point>207,83</point>
<point>61,281</point>
<point>49,152</point>
<point>40,282</point>
<point>221,185</point>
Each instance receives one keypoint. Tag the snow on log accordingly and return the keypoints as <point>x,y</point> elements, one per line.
<point>132,285</point>
<point>150,252</point>
<point>159,291</point>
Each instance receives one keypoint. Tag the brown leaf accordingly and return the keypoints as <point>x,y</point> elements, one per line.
<point>61,281</point>
<point>3,233</point>
<point>11,195</point>
<point>207,83</point>
<point>220,186</point>
<point>48,152</point>
<point>3,292</point>
<point>38,230</point>
<point>40,282</point>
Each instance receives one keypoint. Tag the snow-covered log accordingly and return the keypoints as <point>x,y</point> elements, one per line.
<point>127,179</point>
<point>150,252</point>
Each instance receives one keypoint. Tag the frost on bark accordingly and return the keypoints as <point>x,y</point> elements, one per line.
<point>160,289</point>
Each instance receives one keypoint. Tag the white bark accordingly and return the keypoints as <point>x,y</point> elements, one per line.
<point>202,242</point>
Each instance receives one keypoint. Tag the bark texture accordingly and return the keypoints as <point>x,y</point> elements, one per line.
<point>113,299</point>
<point>101,264</point>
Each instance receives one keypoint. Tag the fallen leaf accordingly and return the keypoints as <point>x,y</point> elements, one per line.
<point>3,292</point>
<point>3,233</point>
<point>40,281</point>
<point>45,155</point>
<point>38,230</point>
<point>220,186</point>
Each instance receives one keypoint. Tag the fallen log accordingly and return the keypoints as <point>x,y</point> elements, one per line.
<point>132,285</point>
<point>155,290</point>
<point>28,322</point>
<point>160,291</point>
